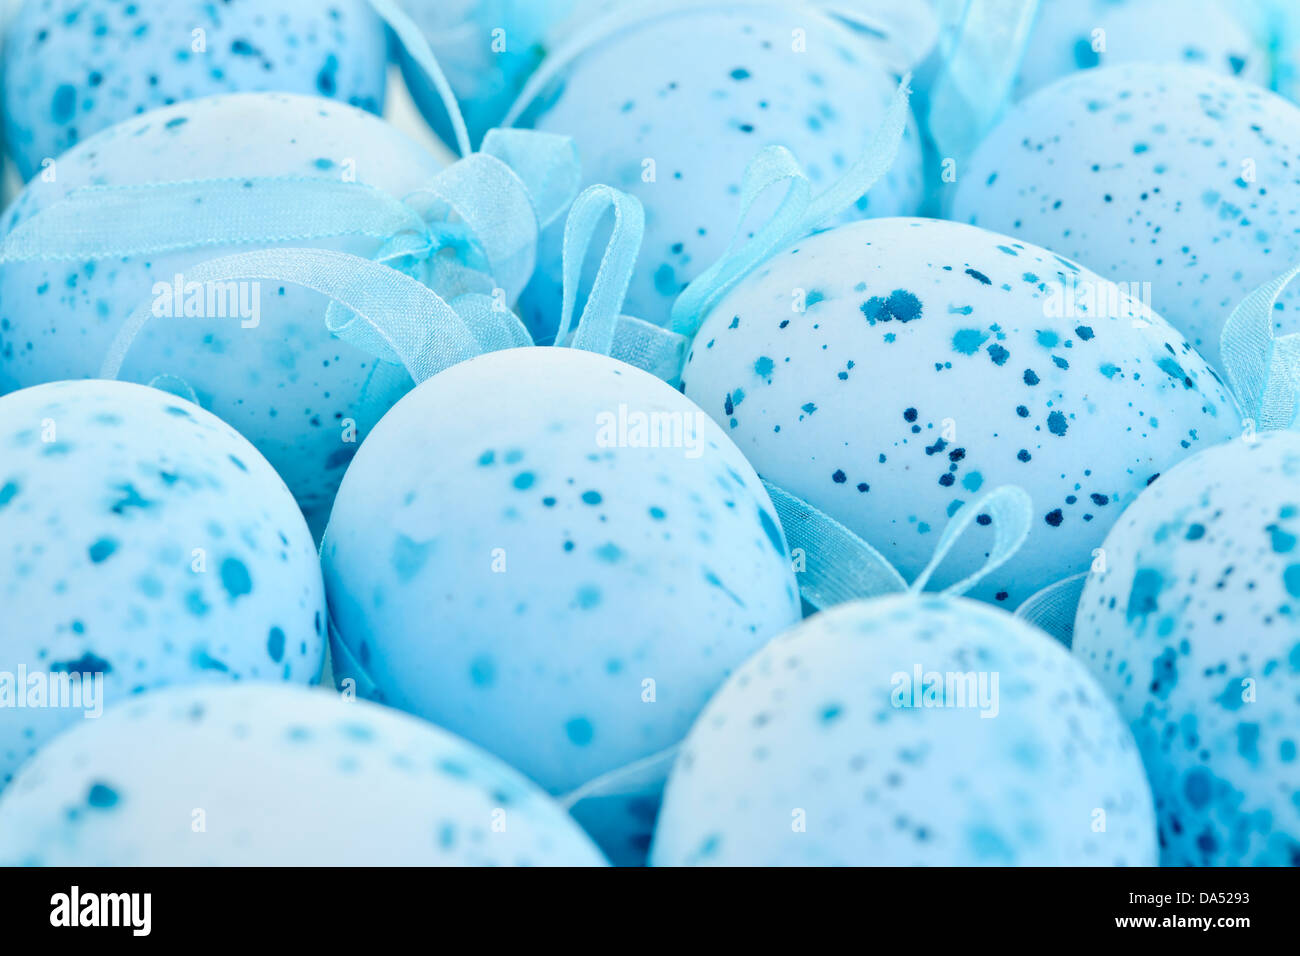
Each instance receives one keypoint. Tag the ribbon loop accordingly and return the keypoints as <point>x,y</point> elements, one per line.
<point>595,330</point>
<point>1010,511</point>
<point>797,214</point>
<point>1264,370</point>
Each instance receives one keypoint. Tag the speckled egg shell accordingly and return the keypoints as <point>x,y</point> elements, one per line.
<point>1192,629</point>
<point>934,359</point>
<point>1203,33</point>
<point>287,384</point>
<point>75,67</point>
<point>501,567</point>
<point>826,748</point>
<point>1165,175</point>
<point>275,776</point>
<point>141,537</point>
<point>699,93</point>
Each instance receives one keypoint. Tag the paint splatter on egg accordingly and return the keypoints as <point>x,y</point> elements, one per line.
<point>73,68</point>
<point>141,539</point>
<point>908,731</point>
<point>1178,184</point>
<point>1083,34</point>
<point>556,556</point>
<point>1191,628</point>
<point>672,108</point>
<point>885,371</point>
<point>281,776</point>
<point>263,359</point>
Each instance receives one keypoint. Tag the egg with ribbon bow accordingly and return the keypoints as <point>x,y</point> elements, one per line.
<point>554,555</point>
<point>1176,183</point>
<point>1084,34</point>
<point>143,543</point>
<point>134,210</point>
<point>275,776</point>
<point>885,371</point>
<point>1190,626</point>
<point>910,729</point>
<point>73,68</point>
<point>670,102</point>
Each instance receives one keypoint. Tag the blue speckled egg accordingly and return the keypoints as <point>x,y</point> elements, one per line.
<point>142,538</point>
<point>487,49</point>
<point>510,557</point>
<point>1192,628</point>
<point>673,108</point>
<point>908,731</point>
<point>303,397</point>
<point>931,359</point>
<point>1169,179</point>
<point>275,776</point>
<point>1205,33</point>
<point>75,67</point>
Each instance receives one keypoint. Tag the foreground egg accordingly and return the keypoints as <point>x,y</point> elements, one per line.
<point>73,68</point>
<point>511,559</point>
<point>908,731</point>
<point>673,106</point>
<point>1178,184</point>
<point>1192,629</point>
<point>267,364</point>
<point>143,540</point>
<point>1082,34</point>
<point>931,359</point>
<point>275,776</point>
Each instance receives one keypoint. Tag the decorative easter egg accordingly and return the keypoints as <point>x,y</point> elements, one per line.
<point>257,354</point>
<point>277,776</point>
<point>73,68</point>
<point>143,543</point>
<point>1191,628</point>
<point>1174,182</point>
<point>908,731</point>
<point>672,106</point>
<point>884,371</point>
<point>556,556</point>
<point>1081,34</point>
<point>486,48</point>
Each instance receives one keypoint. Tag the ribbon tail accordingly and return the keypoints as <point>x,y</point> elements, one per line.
<point>392,316</point>
<point>417,46</point>
<point>1010,511</point>
<point>657,350</point>
<point>644,776</point>
<point>1053,609</point>
<point>838,565</point>
<point>1264,371</point>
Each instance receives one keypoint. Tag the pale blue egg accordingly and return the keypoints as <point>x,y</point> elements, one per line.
<point>1082,34</point>
<point>556,556</point>
<point>672,108</point>
<point>75,67</point>
<point>1170,180</point>
<point>886,371</point>
<point>908,731</point>
<point>144,540</point>
<point>303,397</point>
<point>1191,628</point>
<point>276,776</point>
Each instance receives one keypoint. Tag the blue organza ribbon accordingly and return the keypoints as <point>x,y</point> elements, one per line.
<point>967,83</point>
<point>1264,371</point>
<point>486,209</point>
<point>798,213</point>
